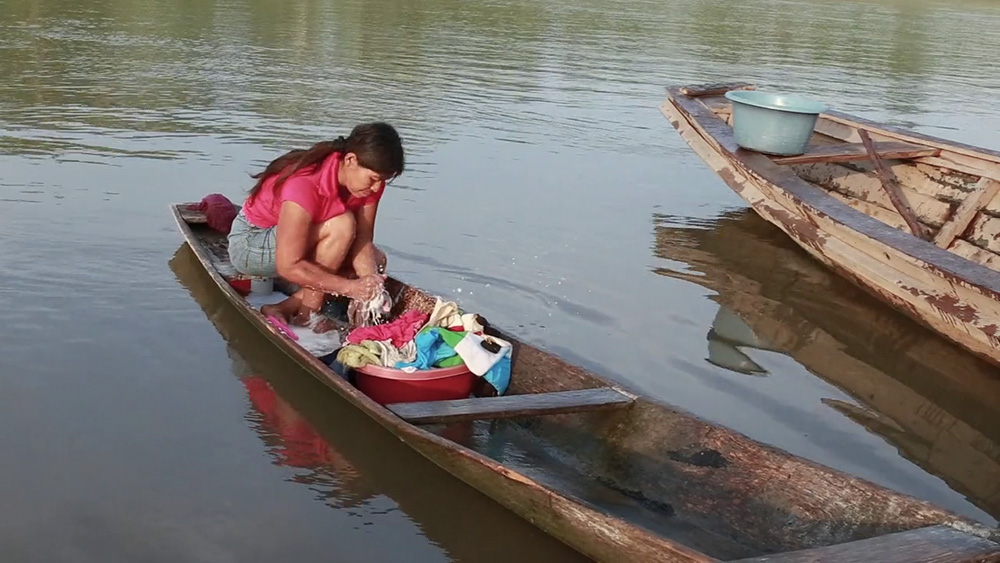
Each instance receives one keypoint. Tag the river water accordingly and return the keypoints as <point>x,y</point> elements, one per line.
<point>544,189</point>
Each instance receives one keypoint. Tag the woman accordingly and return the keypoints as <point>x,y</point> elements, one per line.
<point>310,219</point>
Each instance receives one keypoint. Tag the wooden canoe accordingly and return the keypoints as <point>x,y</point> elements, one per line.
<point>349,469</point>
<point>616,476</point>
<point>911,218</point>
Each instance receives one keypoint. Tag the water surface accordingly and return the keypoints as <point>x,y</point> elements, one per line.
<point>544,189</point>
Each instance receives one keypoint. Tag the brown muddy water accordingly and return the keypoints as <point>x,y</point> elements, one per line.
<point>144,421</point>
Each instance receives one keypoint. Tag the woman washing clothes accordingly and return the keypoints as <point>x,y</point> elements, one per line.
<point>310,219</point>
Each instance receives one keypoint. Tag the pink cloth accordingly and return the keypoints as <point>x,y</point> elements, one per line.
<point>400,331</point>
<point>219,212</point>
<point>315,189</point>
<point>284,328</point>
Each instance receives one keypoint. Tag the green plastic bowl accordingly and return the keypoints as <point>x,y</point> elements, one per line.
<point>778,124</point>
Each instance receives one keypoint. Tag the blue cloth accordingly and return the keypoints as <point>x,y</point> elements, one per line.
<point>499,374</point>
<point>432,349</point>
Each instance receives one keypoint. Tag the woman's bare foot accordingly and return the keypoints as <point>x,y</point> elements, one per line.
<point>323,324</point>
<point>301,316</point>
<point>273,311</point>
<point>318,322</point>
<point>284,310</point>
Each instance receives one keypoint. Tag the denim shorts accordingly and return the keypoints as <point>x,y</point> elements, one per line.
<point>253,249</point>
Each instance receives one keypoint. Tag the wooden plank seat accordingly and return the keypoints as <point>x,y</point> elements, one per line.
<point>508,406</point>
<point>931,544</point>
<point>847,152</point>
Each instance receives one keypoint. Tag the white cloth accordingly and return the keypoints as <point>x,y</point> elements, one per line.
<point>479,360</point>
<point>389,354</point>
<point>446,314</point>
<point>374,311</point>
<point>317,344</point>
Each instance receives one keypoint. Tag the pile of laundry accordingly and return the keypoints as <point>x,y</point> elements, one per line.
<point>418,341</point>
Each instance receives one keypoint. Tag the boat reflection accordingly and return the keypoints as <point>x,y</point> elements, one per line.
<point>347,459</point>
<point>937,405</point>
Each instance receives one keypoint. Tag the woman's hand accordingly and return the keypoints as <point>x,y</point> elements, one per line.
<point>367,287</point>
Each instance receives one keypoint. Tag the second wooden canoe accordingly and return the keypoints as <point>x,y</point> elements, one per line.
<point>916,224</point>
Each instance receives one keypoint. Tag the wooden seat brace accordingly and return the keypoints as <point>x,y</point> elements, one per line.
<point>508,406</point>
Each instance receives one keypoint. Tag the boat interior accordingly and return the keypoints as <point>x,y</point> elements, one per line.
<point>949,196</point>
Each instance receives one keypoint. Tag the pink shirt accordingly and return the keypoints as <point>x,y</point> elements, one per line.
<point>316,190</point>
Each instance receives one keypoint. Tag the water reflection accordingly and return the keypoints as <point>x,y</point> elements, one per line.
<point>936,404</point>
<point>348,461</point>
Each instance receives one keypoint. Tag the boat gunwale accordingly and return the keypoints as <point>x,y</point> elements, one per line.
<point>964,149</point>
<point>947,264</point>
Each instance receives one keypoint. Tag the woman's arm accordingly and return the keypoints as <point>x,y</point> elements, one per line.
<point>363,257</point>
<point>294,240</point>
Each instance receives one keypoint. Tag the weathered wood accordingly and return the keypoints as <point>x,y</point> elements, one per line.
<point>931,181</point>
<point>985,191</point>
<point>993,206</point>
<point>955,156</point>
<point>891,186</point>
<point>509,406</point>
<point>934,544</point>
<point>714,89</point>
<point>193,215</point>
<point>979,155</point>
<point>984,232</point>
<point>867,187</point>
<point>887,216</point>
<point>972,252</point>
<point>846,152</point>
<point>705,472</point>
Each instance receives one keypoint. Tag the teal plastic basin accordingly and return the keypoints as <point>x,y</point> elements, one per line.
<point>778,124</point>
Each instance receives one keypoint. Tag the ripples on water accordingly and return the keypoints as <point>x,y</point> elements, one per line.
<point>540,179</point>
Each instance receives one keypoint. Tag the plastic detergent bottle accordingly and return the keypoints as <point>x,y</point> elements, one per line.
<point>261,286</point>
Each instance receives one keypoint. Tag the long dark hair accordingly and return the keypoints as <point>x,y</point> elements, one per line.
<point>377,146</point>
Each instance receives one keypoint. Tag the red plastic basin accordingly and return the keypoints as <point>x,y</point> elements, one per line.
<point>242,286</point>
<point>390,385</point>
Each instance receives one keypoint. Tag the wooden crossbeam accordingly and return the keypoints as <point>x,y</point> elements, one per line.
<point>985,190</point>
<point>846,152</point>
<point>891,186</point>
<point>933,544</point>
<point>508,406</point>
